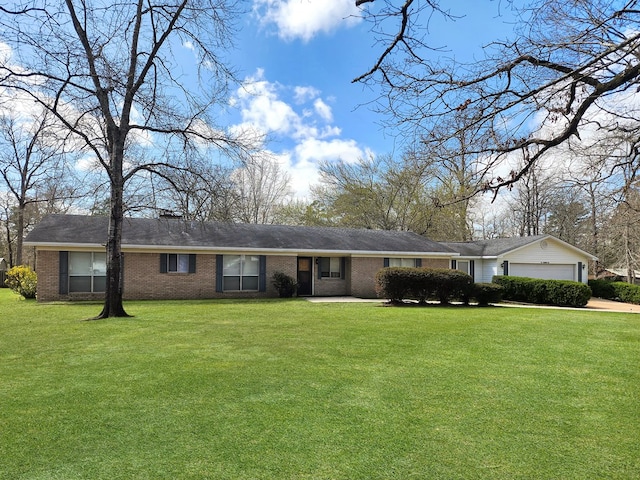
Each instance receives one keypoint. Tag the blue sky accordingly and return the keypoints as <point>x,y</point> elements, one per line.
<point>298,58</point>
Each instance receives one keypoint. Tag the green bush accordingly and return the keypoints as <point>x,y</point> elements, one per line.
<point>603,289</point>
<point>402,283</point>
<point>486,293</point>
<point>619,291</point>
<point>22,280</point>
<point>626,292</point>
<point>284,284</point>
<point>563,293</point>
<point>395,283</point>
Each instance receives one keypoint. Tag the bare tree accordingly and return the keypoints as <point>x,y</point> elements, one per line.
<point>32,159</point>
<point>261,186</point>
<point>572,69</point>
<point>199,192</point>
<point>111,76</point>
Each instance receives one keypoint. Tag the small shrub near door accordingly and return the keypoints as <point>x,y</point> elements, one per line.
<point>284,284</point>
<point>23,281</point>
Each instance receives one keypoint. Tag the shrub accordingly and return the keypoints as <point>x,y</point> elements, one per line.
<point>626,292</point>
<point>619,291</point>
<point>421,284</point>
<point>284,284</point>
<point>394,283</point>
<point>486,293</point>
<point>22,280</point>
<point>603,289</point>
<point>563,293</point>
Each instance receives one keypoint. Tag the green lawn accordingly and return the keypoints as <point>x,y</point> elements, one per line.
<point>295,390</point>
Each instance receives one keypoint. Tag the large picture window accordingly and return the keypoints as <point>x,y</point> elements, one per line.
<point>240,272</point>
<point>87,272</point>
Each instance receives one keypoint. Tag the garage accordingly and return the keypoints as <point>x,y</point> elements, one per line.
<point>543,270</point>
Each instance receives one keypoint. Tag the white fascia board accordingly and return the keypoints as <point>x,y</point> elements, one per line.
<point>65,246</point>
<point>243,250</point>
<point>406,254</point>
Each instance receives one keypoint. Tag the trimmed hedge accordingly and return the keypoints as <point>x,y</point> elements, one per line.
<point>403,283</point>
<point>564,293</point>
<point>618,291</point>
<point>486,293</point>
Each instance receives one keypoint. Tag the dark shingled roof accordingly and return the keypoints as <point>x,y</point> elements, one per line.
<point>492,247</point>
<point>172,232</point>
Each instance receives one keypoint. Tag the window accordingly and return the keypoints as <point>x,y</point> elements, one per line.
<point>402,262</point>
<point>177,263</point>
<point>466,266</point>
<point>463,266</point>
<point>87,272</point>
<point>240,272</point>
<point>330,267</point>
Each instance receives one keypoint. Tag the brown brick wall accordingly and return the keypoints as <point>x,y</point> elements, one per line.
<point>143,280</point>
<point>436,263</point>
<point>363,274</point>
<point>47,269</point>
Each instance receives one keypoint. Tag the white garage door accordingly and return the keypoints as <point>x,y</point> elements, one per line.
<point>542,270</point>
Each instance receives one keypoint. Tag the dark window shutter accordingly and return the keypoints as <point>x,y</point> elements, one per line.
<point>505,268</point>
<point>163,262</point>
<point>192,263</point>
<point>262,279</point>
<point>343,268</point>
<point>385,262</point>
<point>454,264</point>
<point>580,271</point>
<point>219,266</point>
<point>63,272</point>
<point>418,263</point>
<point>472,269</point>
<point>319,264</point>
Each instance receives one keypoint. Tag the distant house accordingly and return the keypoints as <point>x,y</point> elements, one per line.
<point>170,258</point>
<point>619,275</point>
<point>538,256</point>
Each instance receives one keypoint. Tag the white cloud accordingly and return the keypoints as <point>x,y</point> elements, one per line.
<point>299,122</point>
<point>304,19</point>
<point>316,150</point>
<point>303,94</point>
<point>323,110</point>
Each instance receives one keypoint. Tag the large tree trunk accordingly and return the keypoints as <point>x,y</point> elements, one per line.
<point>20,235</point>
<point>113,306</point>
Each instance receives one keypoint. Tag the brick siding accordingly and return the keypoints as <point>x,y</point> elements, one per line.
<point>143,280</point>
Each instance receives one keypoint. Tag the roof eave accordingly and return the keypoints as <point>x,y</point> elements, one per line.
<point>212,249</point>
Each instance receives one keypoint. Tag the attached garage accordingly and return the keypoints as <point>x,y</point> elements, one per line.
<point>545,271</point>
<point>539,256</point>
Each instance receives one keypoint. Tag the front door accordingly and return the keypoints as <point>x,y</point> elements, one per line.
<point>305,276</point>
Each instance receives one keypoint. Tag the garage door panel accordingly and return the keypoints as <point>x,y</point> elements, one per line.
<point>542,270</point>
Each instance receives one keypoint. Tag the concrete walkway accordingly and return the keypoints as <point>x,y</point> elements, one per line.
<point>595,304</point>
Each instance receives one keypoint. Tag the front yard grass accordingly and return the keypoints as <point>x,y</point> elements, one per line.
<point>286,389</point>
